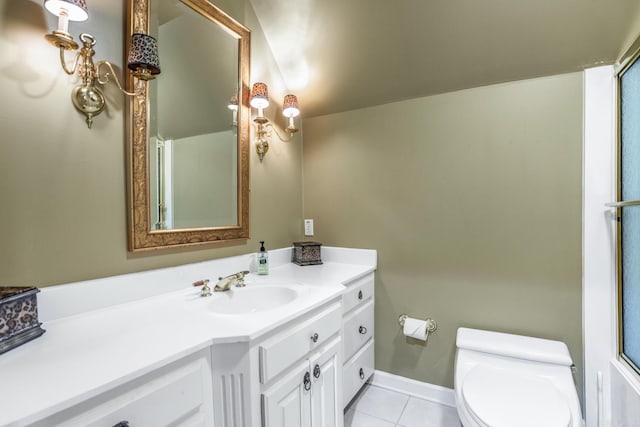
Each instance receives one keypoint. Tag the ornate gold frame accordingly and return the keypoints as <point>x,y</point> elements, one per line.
<point>141,237</point>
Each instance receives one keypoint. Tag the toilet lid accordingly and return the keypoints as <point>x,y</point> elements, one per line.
<point>501,398</point>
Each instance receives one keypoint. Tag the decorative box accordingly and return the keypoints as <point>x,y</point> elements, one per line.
<point>306,253</point>
<point>18,317</point>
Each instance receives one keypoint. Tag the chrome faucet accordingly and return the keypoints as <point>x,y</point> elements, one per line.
<point>225,283</point>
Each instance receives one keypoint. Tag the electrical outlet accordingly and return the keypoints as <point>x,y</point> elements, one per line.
<point>308,227</point>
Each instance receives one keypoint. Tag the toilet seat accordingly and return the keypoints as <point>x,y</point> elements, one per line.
<point>506,398</point>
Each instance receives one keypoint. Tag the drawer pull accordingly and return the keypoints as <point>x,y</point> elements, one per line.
<point>362,330</point>
<point>124,423</point>
<point>316,371</point>
<point>361,373</point>
<point>314,337</point>
<point>360,296</point>
<point>307,381</point>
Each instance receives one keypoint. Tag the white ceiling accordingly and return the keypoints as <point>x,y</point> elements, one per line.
<point>338,55</point>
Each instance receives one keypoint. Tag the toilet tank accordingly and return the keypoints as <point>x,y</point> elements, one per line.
<point>515,346</point>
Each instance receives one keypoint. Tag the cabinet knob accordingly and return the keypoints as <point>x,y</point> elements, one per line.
<point>314,337</point>
<point>122,424</point>
<point>360,295</point>
<point>362,330</point>
<point>307,381</point>
<point>361,373</point>
<point>316,371</point>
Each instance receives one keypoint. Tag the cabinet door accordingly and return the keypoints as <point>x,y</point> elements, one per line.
<point>326,393</point>
<point>287,403</point>
<point>176,395</point>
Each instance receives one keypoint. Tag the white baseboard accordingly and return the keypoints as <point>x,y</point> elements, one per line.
<point>419,389</point>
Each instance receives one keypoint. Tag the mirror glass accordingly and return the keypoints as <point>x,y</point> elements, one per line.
<point>189,171</point>
<point>193,183</point>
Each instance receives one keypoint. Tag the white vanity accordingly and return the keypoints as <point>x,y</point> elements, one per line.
<point>145,348</point>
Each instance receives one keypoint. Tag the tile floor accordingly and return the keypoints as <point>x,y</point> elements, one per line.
<point>378,407</point>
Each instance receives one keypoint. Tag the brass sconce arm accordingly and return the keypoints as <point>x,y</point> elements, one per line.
<point>290,131</point>
<point>63,62</point>
<point>105,79</point>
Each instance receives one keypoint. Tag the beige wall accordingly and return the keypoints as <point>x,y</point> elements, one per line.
<point>62,188</point>
<point>473,201</point>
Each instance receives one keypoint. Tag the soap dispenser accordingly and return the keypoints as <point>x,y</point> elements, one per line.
<point>263,260</point>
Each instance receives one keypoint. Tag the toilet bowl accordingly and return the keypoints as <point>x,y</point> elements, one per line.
<point>504,380</point>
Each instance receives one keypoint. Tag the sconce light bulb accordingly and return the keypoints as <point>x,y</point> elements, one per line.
<point>291,112</point>
<point>63,22</point>
<point>291,127</point>
<point>260,104</point>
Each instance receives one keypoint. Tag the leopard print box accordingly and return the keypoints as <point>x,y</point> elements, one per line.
<point>18,317</point>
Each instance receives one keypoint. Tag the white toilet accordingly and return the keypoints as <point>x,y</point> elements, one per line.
<point>504,380</point>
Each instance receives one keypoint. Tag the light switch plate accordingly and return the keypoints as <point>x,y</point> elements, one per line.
<point>308,227</point>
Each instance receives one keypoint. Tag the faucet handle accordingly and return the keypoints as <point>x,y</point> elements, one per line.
<point>206,290</point>
<point>240,281</point>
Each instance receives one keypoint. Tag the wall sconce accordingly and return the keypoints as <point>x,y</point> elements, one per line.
<point>260,101</point>
<point>87,97</point>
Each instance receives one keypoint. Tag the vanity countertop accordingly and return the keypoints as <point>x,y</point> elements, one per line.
<point>85,354</point>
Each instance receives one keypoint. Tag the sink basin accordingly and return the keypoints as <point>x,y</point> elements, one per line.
<point>252,299</point>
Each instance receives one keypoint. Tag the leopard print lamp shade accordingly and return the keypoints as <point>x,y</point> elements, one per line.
<point>143,55</point>
<point>259,95</point>
<point>290,107</point>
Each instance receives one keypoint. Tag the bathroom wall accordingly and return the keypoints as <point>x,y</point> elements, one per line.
<point>473,201</point>
<point>63,211</point>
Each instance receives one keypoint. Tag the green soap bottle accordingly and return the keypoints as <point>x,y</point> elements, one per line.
<point>263,260</point>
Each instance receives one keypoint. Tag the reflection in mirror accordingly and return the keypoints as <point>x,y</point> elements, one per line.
<point>189,165</point>
<point>193,137</point>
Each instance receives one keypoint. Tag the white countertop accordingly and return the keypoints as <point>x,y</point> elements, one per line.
<point>85,354</point>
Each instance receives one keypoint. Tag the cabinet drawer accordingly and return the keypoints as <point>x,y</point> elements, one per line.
<point>176,395</point>
<point>358,293</point>
<point>358,328</point>
<point>357,371</point>
<point>281,351</point>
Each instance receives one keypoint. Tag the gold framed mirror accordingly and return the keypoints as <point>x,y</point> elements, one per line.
<point>208,200</point>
